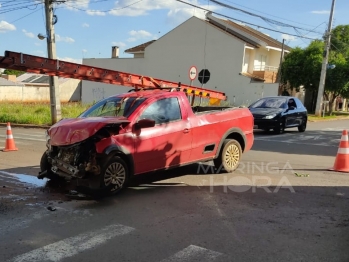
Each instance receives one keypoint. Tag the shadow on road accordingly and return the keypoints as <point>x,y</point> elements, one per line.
<point>321,143</point>
<point>312,222</point>
<point>15,181</point>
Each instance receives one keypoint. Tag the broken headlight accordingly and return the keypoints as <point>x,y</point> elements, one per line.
<point>48,139</point>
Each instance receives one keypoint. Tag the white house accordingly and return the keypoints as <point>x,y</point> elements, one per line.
<point>242,61</point>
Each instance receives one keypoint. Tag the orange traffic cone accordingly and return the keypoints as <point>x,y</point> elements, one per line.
<point>341,163</point>
<point>10,142</point>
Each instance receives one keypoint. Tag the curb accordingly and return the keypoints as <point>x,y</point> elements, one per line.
<point>330,119</point>
<point>47,127</point>
<point>26,125</point>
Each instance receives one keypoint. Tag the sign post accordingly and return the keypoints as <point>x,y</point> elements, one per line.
<point>192,74</point>
<point>204,76</point>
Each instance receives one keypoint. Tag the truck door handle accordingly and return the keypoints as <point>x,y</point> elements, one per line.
<point>186,130</point>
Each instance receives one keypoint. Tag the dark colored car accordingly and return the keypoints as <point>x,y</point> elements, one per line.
<point>279,113</point>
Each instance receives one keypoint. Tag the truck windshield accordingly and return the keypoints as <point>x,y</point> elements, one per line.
<point>114,106</point>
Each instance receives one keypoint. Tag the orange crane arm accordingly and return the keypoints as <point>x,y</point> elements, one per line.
<point>55,67</point>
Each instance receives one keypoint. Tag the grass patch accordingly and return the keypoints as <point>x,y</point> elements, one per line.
<point>36,113</point>
<point>334,115</point>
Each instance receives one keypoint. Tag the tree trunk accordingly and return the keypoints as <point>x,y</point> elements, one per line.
<point>324,106</point>
<point>332,103</point>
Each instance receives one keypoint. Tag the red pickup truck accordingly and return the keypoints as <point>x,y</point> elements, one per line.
<point>143,131</point>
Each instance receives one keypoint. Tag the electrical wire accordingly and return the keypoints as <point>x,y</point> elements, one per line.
<point>14,4</point>
<point>25,16</point>
<point>268,20</point>
<point>104,11</point>
<point>208,4</point>
<point>229,17</point>
<point>269,14</point>
<point>3,11</point>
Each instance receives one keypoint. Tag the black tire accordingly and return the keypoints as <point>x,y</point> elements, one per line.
<point>113,183</point>
<point>281,128</point>
<point>303,126</point>
<point>229,157</point>
<point>46,166</point>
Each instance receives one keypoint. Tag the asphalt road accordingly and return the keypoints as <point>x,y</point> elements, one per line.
<point>261,212</point>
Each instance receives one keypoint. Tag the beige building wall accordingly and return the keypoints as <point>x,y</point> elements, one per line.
<point>70,91</point>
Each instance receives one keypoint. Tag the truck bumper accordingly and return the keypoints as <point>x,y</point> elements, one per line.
<point>265,123</point>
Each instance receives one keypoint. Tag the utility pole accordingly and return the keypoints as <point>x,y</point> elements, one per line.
<point>280,64</point>
<point>319,101</point>
<point>51,51</point>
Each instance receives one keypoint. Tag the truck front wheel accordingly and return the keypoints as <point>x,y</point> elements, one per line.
<point>229,156</point>
<point>45,168</point>
<point>114,175</point>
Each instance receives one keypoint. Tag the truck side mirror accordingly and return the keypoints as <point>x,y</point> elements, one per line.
<point>144,123</point>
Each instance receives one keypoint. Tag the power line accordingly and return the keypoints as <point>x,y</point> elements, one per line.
<point>24,16</point>
<point>18,8</point>
<point>213,12</point>
<point>104,11</point>
<point>267,13</point>
<point>7,4</point>
<point>268,20</point>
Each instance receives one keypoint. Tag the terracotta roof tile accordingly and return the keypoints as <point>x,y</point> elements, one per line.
<point>263,37</point>
<point>139,48</point>
<point>252,76</point>
<point>247,44</point>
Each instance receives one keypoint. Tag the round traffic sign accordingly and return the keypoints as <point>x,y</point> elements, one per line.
<point>192,73</point>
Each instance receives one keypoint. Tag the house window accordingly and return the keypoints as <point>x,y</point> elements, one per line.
<point>246,61</point>
<point>263,62</point>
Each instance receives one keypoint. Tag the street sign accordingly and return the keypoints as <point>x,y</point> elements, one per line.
<point>204,76</point>
<point>192,73</point>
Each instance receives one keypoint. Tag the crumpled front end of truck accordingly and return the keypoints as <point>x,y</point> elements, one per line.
<point>72,156</point>
<point>73,161</point>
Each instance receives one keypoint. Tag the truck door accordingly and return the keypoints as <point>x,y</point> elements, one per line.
<point>166,144</point>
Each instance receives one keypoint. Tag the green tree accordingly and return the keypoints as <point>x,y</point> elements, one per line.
<point>337,81</point>
<point>13,72</point>
<point>340,39</point>
<point>302,66</point>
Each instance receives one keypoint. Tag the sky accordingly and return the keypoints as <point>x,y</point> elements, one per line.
<point>89,28</point>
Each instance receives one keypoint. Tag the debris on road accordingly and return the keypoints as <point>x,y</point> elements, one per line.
<point>51,208</point>
<point>301,175</point>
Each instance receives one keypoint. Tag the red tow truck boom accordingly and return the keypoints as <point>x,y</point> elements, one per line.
<point>55,67</point>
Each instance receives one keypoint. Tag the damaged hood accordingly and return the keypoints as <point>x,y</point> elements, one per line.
<point>73,130</point>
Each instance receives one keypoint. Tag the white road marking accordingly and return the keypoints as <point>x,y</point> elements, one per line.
<point>335,129</point>
<point>193,253</point>
<point>327,144</point>
<point>26,138</point>
<point>269,136</point>
<point>74,245</point>
<point>26,134</point>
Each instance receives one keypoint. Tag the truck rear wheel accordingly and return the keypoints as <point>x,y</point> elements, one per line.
<point>229,156</point>
<point>114,175</point>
